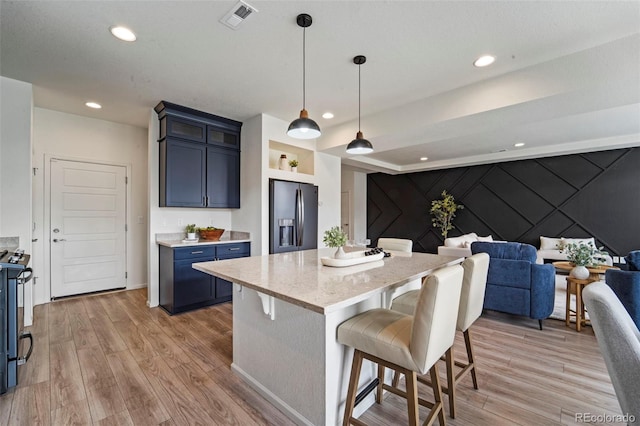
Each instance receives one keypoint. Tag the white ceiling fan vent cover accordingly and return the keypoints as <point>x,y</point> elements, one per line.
<point>238,13</point>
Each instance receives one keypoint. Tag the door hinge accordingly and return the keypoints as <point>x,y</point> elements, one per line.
<point>126,227</point>
<point>35,169</point>
<point>126,275</point>
<point>126,179</point>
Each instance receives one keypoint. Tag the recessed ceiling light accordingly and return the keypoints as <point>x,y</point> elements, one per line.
<point>93,105</point>
<point>424,158</point>
<point>519,144</point>
<point>122,33</point>
<point>483,61</point>
<point>327,115</point>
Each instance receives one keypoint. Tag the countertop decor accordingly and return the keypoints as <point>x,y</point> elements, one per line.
<point>178,239</point>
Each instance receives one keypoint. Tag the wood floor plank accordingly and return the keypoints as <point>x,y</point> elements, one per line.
<point>174,395</point>
<point>76,413</point>
<point>119,419</point>
<point>80,323</point>
<point>5,407</point>
<point>94,368</point>
<point>138,395</point>
<point>107,335</point>
<point>113,308</point>
<point>162,344</point>
<point>221,407</point>
<point>135,340</point>
<point>31,406</point>
<point>105,402</point>
<point>66,378</point>
<point>59,326</point>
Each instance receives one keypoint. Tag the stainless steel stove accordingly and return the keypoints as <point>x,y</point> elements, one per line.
<point>14,271</point>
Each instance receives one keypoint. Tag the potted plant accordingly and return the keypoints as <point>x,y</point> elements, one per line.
<point>191,231</point>
<point>294,165</point>
<point>443,212</point>
<point>582,255</point>
<point>335,237</point>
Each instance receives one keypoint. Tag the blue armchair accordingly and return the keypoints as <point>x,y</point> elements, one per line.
<point>515,283</point>
<point>626,285</point>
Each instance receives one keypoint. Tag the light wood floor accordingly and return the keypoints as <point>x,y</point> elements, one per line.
<point>110,360</point>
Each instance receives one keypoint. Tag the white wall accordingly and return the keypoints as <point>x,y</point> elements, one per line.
<point>15,160</point>
<point>356,184</point>
<point>73,137</point>
<point>170,219</point>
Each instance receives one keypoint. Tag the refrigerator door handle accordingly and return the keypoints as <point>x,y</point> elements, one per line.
<point>300,216</point>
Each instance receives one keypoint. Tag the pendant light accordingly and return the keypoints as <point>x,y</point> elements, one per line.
<point>303,127</point>
<point>359,145</point>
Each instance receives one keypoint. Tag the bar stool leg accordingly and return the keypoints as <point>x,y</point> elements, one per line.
<point>469,346</point>
<point>412,397</point>
<point>451,382</point>
<point>380,384</point>
<point>353,387</point>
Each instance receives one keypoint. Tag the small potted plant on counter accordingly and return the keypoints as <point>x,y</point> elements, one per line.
<point>191,231</point>
<point>294,165</point>
<point>336,238</point>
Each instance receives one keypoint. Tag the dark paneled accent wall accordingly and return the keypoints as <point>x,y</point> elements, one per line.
<point>582,195</point>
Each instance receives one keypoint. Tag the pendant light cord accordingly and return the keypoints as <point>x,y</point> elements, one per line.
<point>304,70</point>
<point>359,96</point>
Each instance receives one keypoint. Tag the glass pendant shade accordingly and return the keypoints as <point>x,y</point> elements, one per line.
<point>359,145</point>
<point>303,127</point>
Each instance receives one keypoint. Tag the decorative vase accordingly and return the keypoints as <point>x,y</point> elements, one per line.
<point>580,272</point>
<point>340,254</point>
<point>283,164</point>
<point>294,169</point>
<point>191,235</point>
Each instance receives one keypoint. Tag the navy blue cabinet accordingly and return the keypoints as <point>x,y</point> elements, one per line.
<point>199,158</point>
<point>183,288</point>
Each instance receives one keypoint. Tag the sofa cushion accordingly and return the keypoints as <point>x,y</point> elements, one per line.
<point>514,251</point>
<point>488,238</point>
<point>509,273</point>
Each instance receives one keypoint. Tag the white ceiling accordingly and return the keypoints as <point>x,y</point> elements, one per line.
<point>566,78</point>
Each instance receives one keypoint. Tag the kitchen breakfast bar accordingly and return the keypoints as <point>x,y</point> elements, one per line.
<point>286,310</point>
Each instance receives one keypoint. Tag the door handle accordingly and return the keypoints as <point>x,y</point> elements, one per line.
<point>56,240</point>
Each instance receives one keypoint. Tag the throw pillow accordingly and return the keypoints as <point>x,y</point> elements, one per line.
<point>547,243</point>
<point>488,238</point>
<point>580,241</point>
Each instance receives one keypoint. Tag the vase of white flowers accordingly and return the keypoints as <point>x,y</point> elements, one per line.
<point>336,238</point>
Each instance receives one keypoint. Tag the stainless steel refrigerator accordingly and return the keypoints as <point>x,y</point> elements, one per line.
<point>293,216</point>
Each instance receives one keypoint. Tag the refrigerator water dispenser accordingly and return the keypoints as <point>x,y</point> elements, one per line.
<point>286,232</point>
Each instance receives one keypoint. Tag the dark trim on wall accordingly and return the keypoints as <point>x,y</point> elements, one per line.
<point>595,194</point>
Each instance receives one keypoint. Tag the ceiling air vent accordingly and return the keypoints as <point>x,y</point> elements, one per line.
<point>238,13</point>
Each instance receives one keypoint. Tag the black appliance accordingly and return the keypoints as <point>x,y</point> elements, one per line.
<point>293,216</point>
<point>13,273</point>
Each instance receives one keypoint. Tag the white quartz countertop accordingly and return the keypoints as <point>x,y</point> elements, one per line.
<point>301,279</point>
<point>181,243</point>
<point>178,239</point>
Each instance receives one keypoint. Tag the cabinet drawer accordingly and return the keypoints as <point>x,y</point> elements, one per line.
<point>207,252</point>
<point>227,251</point>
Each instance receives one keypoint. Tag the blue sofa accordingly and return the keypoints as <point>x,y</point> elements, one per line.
<point>515,283</point>
<point>626,285</point>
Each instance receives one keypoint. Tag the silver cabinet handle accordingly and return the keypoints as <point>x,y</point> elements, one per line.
<point>197,252</point>
<point>234,249</point>
<point>56,240</point>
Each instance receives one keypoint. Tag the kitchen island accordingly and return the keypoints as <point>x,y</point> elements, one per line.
<point>286,310</point>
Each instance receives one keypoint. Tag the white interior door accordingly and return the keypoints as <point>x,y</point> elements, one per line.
<point>88,227</point>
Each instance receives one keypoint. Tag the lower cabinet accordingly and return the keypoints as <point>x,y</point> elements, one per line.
<point>183,288</point>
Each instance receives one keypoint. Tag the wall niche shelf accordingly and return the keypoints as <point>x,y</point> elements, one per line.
<point>304,156</point>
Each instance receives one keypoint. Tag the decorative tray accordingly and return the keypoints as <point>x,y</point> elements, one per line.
<point>352,258</point>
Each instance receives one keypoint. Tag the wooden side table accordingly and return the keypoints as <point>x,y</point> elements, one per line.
<point>575,286</point>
